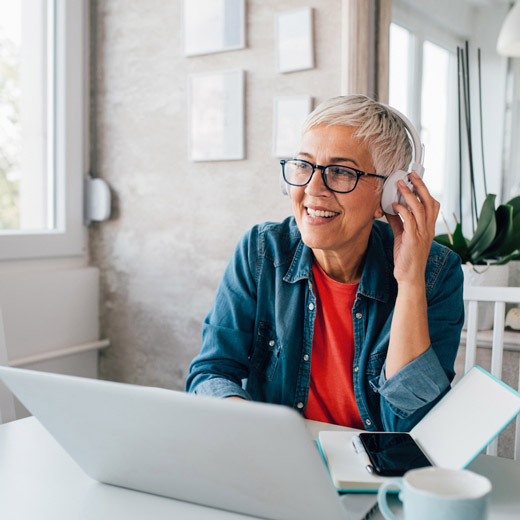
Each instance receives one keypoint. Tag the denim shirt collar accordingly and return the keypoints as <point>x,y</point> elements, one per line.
<point>301,265</point>
<point>377,280</point>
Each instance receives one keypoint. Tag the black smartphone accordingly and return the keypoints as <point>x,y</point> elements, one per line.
<point>392,454</point>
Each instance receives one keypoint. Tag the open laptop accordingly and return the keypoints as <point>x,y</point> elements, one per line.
<point>251,458</point>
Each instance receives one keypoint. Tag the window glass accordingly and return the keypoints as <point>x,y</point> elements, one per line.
<point>421,85</point>
<point>26,93</point>
<point>401,46</point>
<point>434,114</point>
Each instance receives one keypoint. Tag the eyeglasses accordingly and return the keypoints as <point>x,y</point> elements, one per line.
<point>340,179</point>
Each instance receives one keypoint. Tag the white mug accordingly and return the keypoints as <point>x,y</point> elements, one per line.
<point>438,494</point>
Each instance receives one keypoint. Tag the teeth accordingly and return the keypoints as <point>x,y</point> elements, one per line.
<point>320,213</point>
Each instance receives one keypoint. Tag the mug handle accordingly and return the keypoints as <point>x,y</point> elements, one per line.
<point>382,497</point>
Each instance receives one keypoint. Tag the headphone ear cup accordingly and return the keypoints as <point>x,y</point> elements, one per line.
<point>391,192</point>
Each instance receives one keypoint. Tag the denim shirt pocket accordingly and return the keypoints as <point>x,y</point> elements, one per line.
<point>266,352</point>
<point>375,364</point>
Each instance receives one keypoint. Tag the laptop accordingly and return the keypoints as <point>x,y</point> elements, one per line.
<point>252,458</point>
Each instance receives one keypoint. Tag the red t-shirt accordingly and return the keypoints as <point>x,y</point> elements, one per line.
<point>331,392</point>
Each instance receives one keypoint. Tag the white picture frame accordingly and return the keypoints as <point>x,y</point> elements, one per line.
<point>294,40</point>
<point>289,113</point>
<point>216,115</point>
<point>212,26</point>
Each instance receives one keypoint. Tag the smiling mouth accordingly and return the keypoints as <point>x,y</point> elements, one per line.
<point>316,213</point>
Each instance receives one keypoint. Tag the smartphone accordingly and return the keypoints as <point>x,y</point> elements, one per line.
<point>392,454</point>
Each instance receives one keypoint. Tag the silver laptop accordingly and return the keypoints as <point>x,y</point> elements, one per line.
<point>252,458</point>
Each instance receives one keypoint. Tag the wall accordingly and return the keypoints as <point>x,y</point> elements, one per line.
<point>176,222</point>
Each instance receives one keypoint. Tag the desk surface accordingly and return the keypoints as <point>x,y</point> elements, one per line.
<point>38,480</point>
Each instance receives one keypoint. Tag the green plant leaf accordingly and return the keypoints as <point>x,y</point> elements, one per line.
<point>486,230</point>
<point>515,202</point>
<point>444,240</point>
<point>459,245</point>
<point>504,234</point>
<point>514,241</point>
<point>509,258</point>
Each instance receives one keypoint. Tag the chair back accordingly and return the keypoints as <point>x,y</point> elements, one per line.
<point>499,296</point>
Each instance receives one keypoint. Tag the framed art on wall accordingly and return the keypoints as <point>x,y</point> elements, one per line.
<point>289,113</point>
<point>216,115</point>
<point>294,40</point>
<point>213,26</point>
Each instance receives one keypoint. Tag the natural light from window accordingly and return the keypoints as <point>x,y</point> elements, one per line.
<point>26,126</point>
<point>401,47</point>
<point>434,114</point>
<point>426,98</point>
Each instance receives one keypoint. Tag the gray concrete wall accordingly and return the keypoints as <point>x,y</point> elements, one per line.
<point>176,222</point>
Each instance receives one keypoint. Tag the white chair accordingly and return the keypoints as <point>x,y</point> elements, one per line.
<point>499,296</point>
<point>6,398</point>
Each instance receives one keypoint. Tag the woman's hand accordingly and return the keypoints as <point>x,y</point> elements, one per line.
<point>414,229</point>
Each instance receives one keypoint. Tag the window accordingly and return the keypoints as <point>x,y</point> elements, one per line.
<point>42,118</point>
<point>422,85</point>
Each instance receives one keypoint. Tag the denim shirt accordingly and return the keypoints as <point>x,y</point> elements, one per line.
<point>257,338</point>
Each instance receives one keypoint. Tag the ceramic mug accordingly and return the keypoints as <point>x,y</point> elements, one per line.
<point>438,494</point>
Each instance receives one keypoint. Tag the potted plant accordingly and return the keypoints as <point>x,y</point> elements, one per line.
<point>496,239</point>
<point>486,255</point>
<point>496,232</point>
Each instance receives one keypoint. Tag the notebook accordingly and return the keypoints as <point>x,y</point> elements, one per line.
<point>252,458</point>
<point>452,434</point>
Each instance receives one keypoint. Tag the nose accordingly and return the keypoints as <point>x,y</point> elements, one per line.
<point>316,186</point>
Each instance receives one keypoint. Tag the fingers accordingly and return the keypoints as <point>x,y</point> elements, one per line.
<point>408,219</point>
<point>432,206</point>
<point>396,223</point>
<point>424,209</point>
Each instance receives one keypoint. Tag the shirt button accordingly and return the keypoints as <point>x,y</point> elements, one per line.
<point>306,357</point>
<point>359,315</point>
<point>299,405</point>
<point>271,343</point>
<point>356,369</point>
<point>368,422</point>
<point>311,306</point>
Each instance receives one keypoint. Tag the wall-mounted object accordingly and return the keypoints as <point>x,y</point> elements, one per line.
<point>216,115</point>
<point>213,26</point>
<point>294,40</point>
<point>97,200</point>
<point>289,113</point>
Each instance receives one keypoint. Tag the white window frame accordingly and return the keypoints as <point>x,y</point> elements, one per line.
<point>71,144</point>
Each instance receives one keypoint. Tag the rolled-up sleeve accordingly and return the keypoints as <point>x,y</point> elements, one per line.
<point>411,393</point>
<point>417,384</point>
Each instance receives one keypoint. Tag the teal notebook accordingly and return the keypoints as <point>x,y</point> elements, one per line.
<point>452,434</point>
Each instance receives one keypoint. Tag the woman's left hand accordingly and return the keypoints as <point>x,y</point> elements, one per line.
<point>414,229</point>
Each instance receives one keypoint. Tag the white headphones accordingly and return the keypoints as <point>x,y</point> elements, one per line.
<point>390,192</point>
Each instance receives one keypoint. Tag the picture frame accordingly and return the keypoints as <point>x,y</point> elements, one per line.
<point>212,26</point>
<point>294,40</point>
<point>289,113</point>
<point>216,115</point>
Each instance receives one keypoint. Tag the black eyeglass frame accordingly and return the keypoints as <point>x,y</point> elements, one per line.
<point>359,173</point>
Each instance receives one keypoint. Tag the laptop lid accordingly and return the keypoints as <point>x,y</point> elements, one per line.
<point>251,458</point>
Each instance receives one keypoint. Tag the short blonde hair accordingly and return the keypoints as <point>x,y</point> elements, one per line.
<point>382,129</point>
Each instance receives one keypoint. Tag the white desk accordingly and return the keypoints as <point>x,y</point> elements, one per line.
<point>38,480</point>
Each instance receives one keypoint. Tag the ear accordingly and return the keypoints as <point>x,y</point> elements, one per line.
<point>379,213</point>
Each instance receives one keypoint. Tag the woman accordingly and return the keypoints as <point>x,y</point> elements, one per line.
<point>343,317</point>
